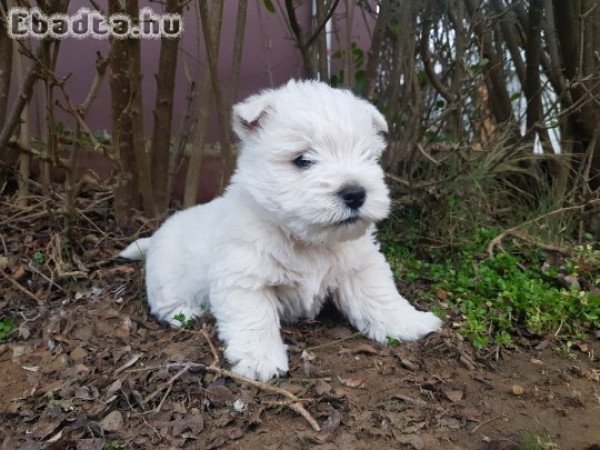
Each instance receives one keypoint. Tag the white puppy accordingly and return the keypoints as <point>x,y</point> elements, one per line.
<point>295,226</point>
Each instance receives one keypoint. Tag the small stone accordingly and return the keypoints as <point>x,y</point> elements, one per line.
<point>239,405</point>
<point>517,390</point>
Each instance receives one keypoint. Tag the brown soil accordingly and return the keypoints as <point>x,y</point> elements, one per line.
<point>87,369</point>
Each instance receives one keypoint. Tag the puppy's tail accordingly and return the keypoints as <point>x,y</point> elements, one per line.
<point>136,250</point>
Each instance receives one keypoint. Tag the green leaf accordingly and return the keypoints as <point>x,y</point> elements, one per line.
<point>422,77</point>
<point>360,80</point>
<point>39,257</point>
<point>7,326</point>
<point>516,96</point>
<point>182,319</point>
<point>269,5</point>
<point>394,28</point>
<point>392,342</point>
<point>479,65</point>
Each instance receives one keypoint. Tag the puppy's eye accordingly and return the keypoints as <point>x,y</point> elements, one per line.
<point>302,162</point>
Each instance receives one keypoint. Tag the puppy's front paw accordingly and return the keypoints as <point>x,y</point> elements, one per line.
<point>406,325</point>
<point>262,365</point>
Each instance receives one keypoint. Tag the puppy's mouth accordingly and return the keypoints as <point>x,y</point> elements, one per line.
<point>348,221</point>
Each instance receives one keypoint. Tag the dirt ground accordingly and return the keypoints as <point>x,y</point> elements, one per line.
<point>87,368</point>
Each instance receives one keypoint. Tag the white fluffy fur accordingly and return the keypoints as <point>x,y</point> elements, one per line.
<point>273,247</point>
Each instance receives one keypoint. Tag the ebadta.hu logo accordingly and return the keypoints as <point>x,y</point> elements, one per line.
<point>32,22</point>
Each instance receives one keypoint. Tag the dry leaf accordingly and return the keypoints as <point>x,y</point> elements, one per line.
<point>307,355</point>
<point>112,422</point>
<point>322,388</point>
<point>366,349</point>
<point>442,294</point>
<point>219,395</point>
<point>454,395</point>
<point>354,383</point>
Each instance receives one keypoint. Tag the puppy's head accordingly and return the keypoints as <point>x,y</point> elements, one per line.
<point>309,156</point>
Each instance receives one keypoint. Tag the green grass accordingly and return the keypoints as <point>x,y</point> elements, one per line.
<point>7,327</point>
<point>183,320</point>
<point>392,342</point>
<point>530,441</point>
<point>39,257</point>
<point>113,445</point>
<point>498,296</point>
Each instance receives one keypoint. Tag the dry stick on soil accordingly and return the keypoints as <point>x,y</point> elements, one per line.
<point>337,341</point>
<point>213,349</point>
<point>20,288</point>
<point>498,239</point>
<point>48,279</point>
<point>26,213</point>
<point>168,384</point>
<point>295,402</point>
<point>129,363</point>
<point>493,419</point>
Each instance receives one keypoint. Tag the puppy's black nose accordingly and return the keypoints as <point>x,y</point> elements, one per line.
<point>353,196</point>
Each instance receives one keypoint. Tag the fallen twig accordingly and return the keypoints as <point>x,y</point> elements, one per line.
<point>295,403</point>
<point>20,288</point>
<point>549,247</point>
<point>48,279</point>
<point>511,231</point>
<point>169,384</point>
<point>337,341</point>
<point>128,364</point>
<point>213,349</point>
<point>493,419</point>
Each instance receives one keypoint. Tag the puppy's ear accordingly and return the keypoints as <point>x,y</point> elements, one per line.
<point>379,122</point>
<point>249,114</point>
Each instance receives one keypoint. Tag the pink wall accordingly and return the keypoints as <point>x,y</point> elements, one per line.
<point>269,59</point>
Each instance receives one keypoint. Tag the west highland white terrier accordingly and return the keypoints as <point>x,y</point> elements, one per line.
<point>295,226</point>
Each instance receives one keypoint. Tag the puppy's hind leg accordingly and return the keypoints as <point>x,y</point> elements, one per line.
<point>174,308</point>
<point>174,295</point>
<point>370,300</point>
